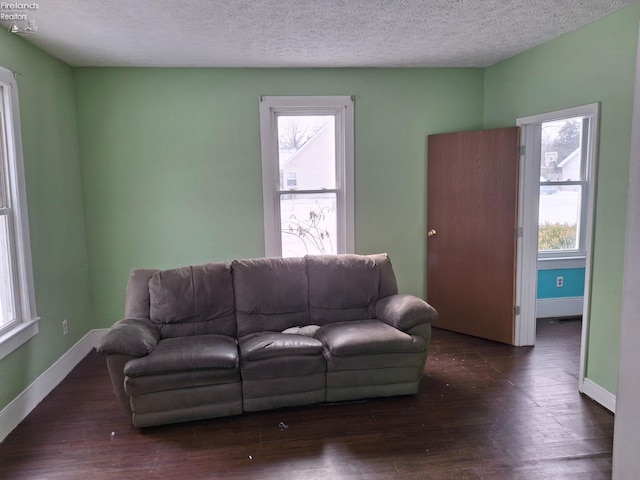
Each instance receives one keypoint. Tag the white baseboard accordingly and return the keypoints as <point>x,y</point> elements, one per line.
<point>599,394</point>
<point>21,406</point>
<point>559,307</point>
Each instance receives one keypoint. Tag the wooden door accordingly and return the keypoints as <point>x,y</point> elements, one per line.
<point>472,221</point>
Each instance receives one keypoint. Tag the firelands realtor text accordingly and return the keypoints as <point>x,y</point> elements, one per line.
<point>14,9</point>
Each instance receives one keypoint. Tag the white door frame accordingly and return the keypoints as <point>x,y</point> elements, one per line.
<point>528,200</point>
<point>626,430</point>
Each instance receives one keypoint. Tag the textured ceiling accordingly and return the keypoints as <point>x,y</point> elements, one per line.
<point>301,33</point>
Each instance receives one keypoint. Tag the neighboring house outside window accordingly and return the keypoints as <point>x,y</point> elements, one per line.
<point>18,320</point>
<point>307,169</point>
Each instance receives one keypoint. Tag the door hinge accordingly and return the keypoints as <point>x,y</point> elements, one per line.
<point>516,310</point>
<point>519,232</point>
<point>521,150</point>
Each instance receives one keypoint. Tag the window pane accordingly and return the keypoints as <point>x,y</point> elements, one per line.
<point>559,218</point>
<point>561,150</point>
<point>7,313</point>
<point>307,150</point>
<point>309,224</point>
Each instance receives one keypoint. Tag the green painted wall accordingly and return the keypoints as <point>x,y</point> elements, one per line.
<point>172,172</point>
<point>593,64</point>
<point>56,219</point>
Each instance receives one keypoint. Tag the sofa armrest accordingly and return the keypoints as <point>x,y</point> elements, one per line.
<point>404,311</point>
<point>131,336</point>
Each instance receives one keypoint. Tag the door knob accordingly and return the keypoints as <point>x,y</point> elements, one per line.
<point>432,233</point>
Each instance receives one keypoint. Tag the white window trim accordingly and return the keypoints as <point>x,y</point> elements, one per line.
<point>340,106</point>
<point>27,325</point>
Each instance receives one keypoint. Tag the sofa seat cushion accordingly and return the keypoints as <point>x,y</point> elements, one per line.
<point>186,354</point>
<point>263,345</point>
<point>367,337</point>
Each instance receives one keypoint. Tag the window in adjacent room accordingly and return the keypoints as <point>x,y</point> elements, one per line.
<point>564,182</point>
<point>18,321</point>
<point>307,175</point>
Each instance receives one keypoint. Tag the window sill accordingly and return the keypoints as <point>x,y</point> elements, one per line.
<point>16,337</point>
<point>553,263</point>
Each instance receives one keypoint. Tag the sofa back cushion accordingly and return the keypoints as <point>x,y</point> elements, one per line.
<point>137,298</point>
<point>272,294</point>
<point>342,287</point>
<point>388,283</point>
<point>194,300</point>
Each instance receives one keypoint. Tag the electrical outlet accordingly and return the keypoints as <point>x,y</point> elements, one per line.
<point>559,282</point>
<point>65,327</point>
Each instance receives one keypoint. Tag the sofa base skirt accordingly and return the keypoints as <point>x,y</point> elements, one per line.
<point>343,394</point>
<point>368,383</point>
<point>185,404</point>
<point>151,419</point>
<point>283,392</point>
<point>286,400</point>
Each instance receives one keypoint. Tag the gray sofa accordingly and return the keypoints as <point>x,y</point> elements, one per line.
<point>224,338</point>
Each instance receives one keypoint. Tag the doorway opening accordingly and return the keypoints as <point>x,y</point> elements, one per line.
<point>556,211</point>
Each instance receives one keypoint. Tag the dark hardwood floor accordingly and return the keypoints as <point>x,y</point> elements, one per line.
<point>484,411</point>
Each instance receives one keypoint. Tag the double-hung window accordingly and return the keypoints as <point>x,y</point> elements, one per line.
<point>567,157</point>
<point>307,175</point>
<point>18,321</point>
